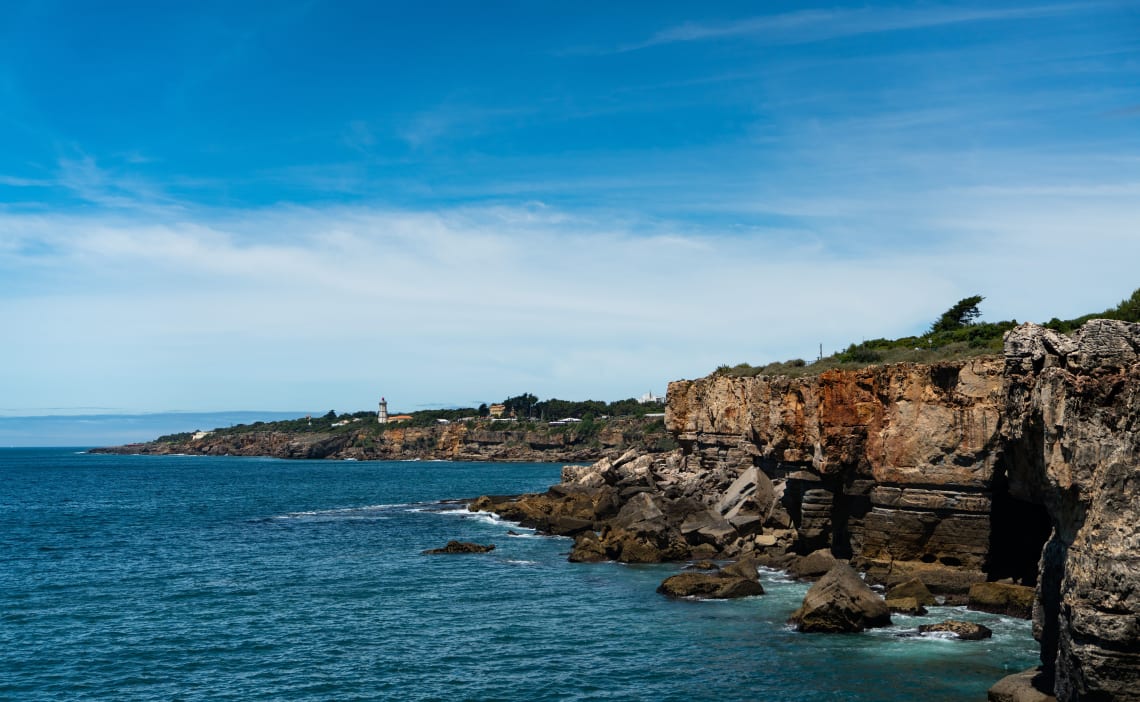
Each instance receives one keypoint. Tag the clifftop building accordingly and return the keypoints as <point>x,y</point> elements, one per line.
<point>382,415</point>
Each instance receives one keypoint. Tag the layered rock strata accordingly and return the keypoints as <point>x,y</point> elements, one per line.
<point>891,466</point>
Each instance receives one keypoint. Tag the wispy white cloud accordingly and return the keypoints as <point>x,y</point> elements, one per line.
<point>270,308</point>
<point>818,25</point>
<point>18,182</point>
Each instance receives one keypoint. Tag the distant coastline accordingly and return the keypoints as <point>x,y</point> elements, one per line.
<point>476,439</point>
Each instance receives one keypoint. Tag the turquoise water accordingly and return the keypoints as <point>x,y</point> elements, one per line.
<point>186,578</point>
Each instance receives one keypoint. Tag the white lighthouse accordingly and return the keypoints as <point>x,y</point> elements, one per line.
<point>382,415</point>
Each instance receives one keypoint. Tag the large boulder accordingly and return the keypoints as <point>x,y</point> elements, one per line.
<point>841,602</point>
<point>814,565</point>
<point>1002,598</point>
<point>644,546</point>
<point>707,526</point>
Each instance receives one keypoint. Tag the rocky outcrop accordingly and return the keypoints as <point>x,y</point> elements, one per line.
<point>840,603</point>
<point>1021,469</point>
<point>1073,444</point>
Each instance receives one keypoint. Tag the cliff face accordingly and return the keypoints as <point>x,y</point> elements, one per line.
<point>1073,442</point>
<point>892,466</point>
<point>1022,467</point>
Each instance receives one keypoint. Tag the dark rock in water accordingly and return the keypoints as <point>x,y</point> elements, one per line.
<point>1002,598</point>
<point>814,565</point>
<point>1027,686</point>
<point>702,565</point>
<point>905,605</point>
<point>963,630</point>
<point>460,547</point>
<point>841,602</point>
<point>736,580</point>
<point>912,588</point>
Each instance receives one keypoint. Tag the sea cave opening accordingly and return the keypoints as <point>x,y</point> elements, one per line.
<point>1018,532</point>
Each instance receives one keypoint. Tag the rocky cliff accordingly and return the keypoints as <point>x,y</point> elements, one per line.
<point>1022,467</point>
<point>1072,409</point>
<point>891,466</point>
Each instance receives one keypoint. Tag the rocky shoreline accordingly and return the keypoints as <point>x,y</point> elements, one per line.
<point>1006,481</point>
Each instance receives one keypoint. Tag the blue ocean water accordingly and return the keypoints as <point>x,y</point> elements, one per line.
<point>186,578</point>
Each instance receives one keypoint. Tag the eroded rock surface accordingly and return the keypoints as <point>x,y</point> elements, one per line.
<point>1073,444</point>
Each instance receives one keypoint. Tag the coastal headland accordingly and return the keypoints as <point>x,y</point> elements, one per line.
<point>477,439</point>
<point>1019,470</point>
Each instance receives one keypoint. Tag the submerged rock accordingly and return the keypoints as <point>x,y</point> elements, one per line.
<point>702,565</point>
<point>841,602</point>
<point>460,547</point>
<point>739,579</point>
<point>905,605</point>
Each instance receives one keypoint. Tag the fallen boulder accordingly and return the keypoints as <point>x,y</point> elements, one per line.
<point>1002,598</point>
<point>460,547</point>
<point>841,602</point>
<point>912,588</point>
<point>968,631</point>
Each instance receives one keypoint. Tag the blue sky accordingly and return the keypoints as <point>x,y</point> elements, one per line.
<point>303,205</point>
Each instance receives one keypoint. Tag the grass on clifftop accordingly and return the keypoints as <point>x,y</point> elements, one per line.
<point>954,336</point>
<point>526,413</point>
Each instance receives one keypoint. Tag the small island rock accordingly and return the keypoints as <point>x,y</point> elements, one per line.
<point>968,631</point>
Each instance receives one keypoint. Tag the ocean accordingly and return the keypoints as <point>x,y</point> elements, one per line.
<point>225,578</point>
